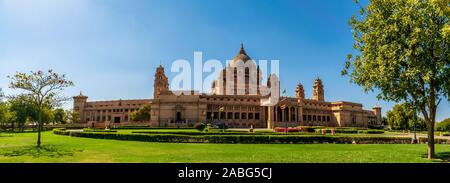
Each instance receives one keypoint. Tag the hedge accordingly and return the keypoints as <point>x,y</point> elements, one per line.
<point>218,133</point>
<point>141,127</point>
<point>246,139</point>
<point>60,131</point>
<point>371,131</point>
<point>338,130</point>
<point>97,130</point>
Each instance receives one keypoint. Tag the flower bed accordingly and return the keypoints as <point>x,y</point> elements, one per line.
<point>278,129</point>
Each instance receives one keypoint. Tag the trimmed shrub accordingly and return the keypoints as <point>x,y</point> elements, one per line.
<point>60,131</point>
<point>248,139</point>
<point>278,129</point>
<point>208,133</point>
<point>371,131</point>
<point>200,126</point>
<point>98,130</point>
<point>339,130</point>
<point>307,128</point>
<point>145,128</point>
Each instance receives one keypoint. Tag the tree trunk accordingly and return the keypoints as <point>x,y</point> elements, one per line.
<point>432,106</point>
<point>39,128</point>
<point>431,140</point>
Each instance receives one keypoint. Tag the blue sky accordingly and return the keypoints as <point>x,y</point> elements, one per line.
<point>110,48</point>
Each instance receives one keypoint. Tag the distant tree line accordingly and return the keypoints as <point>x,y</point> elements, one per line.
<point>18,112</point>
<point>404,117</point>
<point>37,102</point>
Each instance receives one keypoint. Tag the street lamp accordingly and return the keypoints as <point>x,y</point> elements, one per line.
<point>415,137</point>
<point>221,109</point>
<point>283,107</point>
<point>414,141</point>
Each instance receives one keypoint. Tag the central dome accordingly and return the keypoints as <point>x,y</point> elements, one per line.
<point>241,56</point>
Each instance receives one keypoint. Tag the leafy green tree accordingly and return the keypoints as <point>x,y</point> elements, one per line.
<point>43,88</point>
<point>60,116</point>
<point>1,95</point>
<point>47,115</point>
<point>143,114</point>
<point>5,115</point>
<point>23,110</point>
<point>73,117</point>
<point>384,121</point>
<point>403,54</point>
<point>443,125</point>
<point>398,118</point>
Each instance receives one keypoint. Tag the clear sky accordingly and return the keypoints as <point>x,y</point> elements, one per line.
<point>110,48</point>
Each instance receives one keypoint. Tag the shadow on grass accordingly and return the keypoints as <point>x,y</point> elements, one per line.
<point>48,150</point>
<point>444,156</point>
<point>440,157</point>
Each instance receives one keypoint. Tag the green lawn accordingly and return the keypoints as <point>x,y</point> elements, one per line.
<point>20,147</point>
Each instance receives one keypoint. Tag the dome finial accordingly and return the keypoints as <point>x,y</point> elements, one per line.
<point>242,51</point>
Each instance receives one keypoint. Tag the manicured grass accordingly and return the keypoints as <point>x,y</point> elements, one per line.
<point>20,147</point>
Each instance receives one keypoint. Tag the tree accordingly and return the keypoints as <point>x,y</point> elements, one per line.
<point>3,109</point>
<point>403,117</point>
<point>143,114</point>
<point>5,114</point>
<point>73,117</point>
<point>47,115</point>
<point>444,125</point>
<point>403,54</point>
<point>23,110</point>
<point>60,116</point>
<point>384,121</point>
<point>1,95</point>
<point>43,89</point>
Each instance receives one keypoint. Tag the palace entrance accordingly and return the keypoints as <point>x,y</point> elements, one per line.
<point>116,119</point>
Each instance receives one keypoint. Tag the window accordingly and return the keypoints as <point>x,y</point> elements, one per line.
<point>309,117</point>
<point>257,116</point>
<point>328,118</point>
<point>236,115</point>
<point>304,117</point>
<point>319,118</point>
<point>208,115</point>
<point>230,115</point>
<point>250,115</point>
<point>314,118</point>
<point>244,116</point>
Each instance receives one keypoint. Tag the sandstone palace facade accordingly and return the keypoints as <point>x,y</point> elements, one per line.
<point>171,109</point>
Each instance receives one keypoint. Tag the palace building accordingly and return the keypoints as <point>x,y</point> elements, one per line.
<point>239,109</point>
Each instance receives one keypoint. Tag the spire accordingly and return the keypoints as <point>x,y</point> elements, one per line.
<point>242,51</point>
